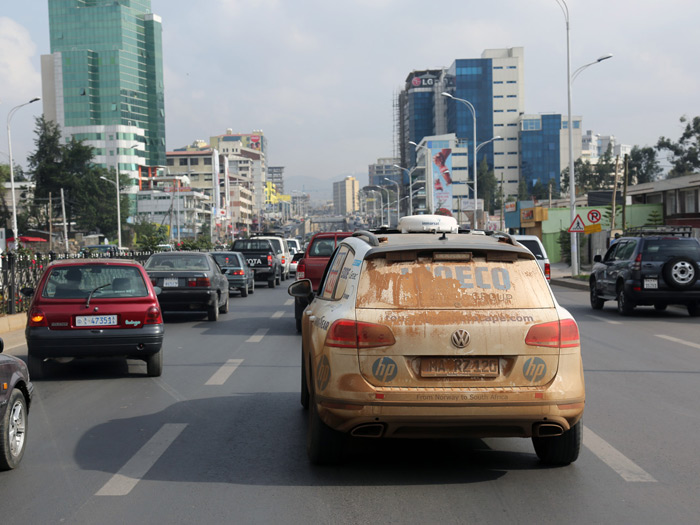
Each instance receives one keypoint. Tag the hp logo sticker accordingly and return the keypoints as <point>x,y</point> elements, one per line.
<point>384,369</point>
<point>534,369</point>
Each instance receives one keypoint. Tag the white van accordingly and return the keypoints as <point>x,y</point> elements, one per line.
<point>534,244</point>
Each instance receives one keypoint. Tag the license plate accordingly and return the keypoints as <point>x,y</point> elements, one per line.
<point>459,367</point>
<point>651,283</point>
<point>96,320</point>
<point>170,282</point>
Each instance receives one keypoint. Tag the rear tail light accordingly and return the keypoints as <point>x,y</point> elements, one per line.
<point>269,260</point>
<point>153,316</point>
<point>301,269</point>
<point>547,272</point>
<point>284,259</point>
<point>154,281</point>
<point>557,334</point>
<point>196,282</point>
<point>351,334</point>
<point>37,318</point>
<point>637,264</point>
<point>236,272</point>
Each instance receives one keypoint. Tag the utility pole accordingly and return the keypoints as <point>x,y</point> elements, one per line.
<point>624,192</point>
<point>614,195</point>
<point>50,224</point>
<point>503,205</point>
<point>65,222</point>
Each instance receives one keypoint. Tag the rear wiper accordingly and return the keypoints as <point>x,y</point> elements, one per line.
<point>87,304</point>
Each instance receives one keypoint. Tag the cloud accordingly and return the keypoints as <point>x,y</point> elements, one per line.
<point>20,79</point>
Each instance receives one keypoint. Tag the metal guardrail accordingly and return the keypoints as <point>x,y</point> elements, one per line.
<point>20,270</point>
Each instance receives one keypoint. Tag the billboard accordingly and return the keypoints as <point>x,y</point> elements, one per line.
<point>442,179</point>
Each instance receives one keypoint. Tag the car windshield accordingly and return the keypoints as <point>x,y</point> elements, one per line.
<point>322,248</point>
<point>113,281</point>
<point>251,245</point>
<point>664,249</point>
<point>178,262</point>
<point>428,283</point>
<point>226,259</point>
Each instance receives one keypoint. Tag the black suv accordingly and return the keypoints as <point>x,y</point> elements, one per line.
<point>649,266</point>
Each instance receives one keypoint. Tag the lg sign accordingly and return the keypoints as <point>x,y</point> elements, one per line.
<point>423,82</point>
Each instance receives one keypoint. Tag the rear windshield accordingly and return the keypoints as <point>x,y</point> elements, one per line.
<point>178,262</point>
<point>252,245</point>
<point>664,249</point>
<point>322,247</point>
<point>70,282</point>
<point>477,284</point>
<point>226,259</point>
<point>277,244</point>
<point>534,247</point>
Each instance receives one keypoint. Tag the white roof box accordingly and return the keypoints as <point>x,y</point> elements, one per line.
<point>428,223</point>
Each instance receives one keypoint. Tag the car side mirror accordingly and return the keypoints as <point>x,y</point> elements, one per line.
<point>27,291</point>
<point>2,345</point>
<point>597,258</point>
<point>157,289</point>
<point>301,289</point>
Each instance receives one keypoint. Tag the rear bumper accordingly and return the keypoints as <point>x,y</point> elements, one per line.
<point>136,343</point>
<point>234,283</point>
<point>642,296</point>
<point>187,300</point>
<point>264,274</point>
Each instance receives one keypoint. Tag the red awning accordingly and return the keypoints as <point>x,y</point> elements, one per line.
<point>23,238</point>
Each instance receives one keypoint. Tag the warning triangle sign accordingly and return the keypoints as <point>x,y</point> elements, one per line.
<point>577,226</point>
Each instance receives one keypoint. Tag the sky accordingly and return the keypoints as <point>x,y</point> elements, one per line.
<point>319,77</point>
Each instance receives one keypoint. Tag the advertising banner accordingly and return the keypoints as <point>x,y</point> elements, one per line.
<point>442,180</point>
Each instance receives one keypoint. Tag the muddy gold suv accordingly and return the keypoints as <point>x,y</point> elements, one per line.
<point>426,331</point>
<point>649,266</point>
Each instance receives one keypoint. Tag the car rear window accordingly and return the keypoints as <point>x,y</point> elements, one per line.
<point>251,245</point>
<point>664,249</point>
<point>226,259</point>
<point>533,246</point>
<point>322,247</point>
<point>425,283</point>
<point>178,262</point>
<point>113,281</point>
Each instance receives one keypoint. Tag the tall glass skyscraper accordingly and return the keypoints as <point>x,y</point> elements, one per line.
<point>103,81</point>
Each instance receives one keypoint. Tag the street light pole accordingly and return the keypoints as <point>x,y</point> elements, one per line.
<point>473,112</point>
<point>12,169</point>
<point>398,195</point>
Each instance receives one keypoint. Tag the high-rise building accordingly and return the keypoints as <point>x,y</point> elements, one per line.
<point>103,81</point>
<point>384,168</point>
<point>275,175</point>
<point>346,196</point>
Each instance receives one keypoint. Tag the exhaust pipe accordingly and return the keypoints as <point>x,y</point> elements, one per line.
<point>371,430</point>
<point>547,430</point>
<point>140,346</point>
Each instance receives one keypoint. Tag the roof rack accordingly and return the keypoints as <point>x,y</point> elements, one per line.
<point>650,229</point>
<point>369,237</point>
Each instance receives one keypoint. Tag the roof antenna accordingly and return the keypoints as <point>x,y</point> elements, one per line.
<point>444,237</point>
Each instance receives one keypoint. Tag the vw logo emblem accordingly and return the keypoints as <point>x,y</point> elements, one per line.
<point>460,338</point>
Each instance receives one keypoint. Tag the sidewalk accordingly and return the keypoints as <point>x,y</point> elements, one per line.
<point>560,274</point>
<point>12,331</point>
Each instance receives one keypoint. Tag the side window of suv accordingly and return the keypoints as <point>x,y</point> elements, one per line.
<point>333,273</point>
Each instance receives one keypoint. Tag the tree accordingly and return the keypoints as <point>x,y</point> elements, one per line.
<point>149,235</point>
<point>486,185</point>
<point>684,155</point>
<point>643,165</point>
<point>583,175</point>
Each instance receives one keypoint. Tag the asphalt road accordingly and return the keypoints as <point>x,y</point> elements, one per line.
<point>220,437</point>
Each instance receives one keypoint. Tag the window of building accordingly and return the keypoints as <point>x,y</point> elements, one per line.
<point>498,82</point>
<point>169,162</point>
<point>183,162</point>
<point>193,162</point>
<point>207,162</point>
<point>498,96</point>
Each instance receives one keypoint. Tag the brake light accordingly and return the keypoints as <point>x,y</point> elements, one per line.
<point>547,272</point>
<point>556,334</point>
<point>637,264</point>
<point>153,316</point>
<point>269,260</point>
<point>37,318</point>
<point>196,282</point>
<point>351,334</point>
<point>284,259</point>
<point>236,272</point>
<point>154,281</point>
<point>301,269</point>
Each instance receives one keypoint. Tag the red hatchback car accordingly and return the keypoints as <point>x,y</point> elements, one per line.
<point>94,308</point>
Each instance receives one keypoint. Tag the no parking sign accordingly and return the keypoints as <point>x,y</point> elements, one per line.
<point>594,216</point>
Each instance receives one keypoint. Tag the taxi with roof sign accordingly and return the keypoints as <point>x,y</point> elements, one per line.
<point>430,331</point>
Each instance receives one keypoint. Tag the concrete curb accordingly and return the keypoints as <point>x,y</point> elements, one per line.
<point>568,282</point>
<point>10,323</point>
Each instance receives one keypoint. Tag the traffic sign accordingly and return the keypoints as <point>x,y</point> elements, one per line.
<point>594,216</point>
<point>577,226</point>
<point>592,228</point>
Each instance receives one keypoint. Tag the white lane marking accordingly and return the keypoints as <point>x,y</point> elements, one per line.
<point>257,336</point>
<point>676,340</point>
<point>617,461</point>
<point>605,320</point>
<point>277,315</point>
<point>136,468</point>
<point>223,373</point>
<point>170,390</point>
<point>289,302</point>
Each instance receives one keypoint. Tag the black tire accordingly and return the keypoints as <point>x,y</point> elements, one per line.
<point>324,446</point>
<point>13,431</point>
<point>271,283</point>
<point>625,306</point>
<point>154,364</point>
<point>224,309</point>
<point>213,312</point>
<point>660,307</point>
<point>244,291</point>
<point>680,273</point>
<point>694,309</point>
<point>560,450</point>
<point>305,396</point>
<point>36,367</point>
<point>596,302</point>
<point>252,288</point>
<point>298,323</point>
<point>278,278</point>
